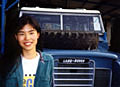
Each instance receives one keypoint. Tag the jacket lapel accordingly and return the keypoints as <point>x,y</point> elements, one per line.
<point>19,73</point>
<point>40,73</point>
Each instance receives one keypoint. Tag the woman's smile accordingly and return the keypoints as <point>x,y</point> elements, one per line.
<point>27,43</point>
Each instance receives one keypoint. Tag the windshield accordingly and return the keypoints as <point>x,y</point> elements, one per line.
<point>71,22</point>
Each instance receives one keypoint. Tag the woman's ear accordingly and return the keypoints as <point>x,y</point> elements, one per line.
<point>15,36</point>
<point>38,35</point>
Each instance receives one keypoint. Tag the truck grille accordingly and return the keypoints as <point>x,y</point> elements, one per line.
<point>74,72</point>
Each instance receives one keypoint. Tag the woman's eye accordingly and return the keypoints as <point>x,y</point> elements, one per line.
<point>31,33</point>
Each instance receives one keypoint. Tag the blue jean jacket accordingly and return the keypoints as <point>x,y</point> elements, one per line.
<point>43,74</point>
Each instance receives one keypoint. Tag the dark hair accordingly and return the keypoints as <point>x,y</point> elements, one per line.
<point>22,21</point>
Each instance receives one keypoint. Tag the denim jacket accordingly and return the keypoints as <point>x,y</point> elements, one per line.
<point>43,74</point>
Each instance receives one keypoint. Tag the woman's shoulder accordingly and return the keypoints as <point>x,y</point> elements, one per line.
<point>46,56</point>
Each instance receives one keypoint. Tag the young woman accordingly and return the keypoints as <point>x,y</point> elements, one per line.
<point>31,67</point>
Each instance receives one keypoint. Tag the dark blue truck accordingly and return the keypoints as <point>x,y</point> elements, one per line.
<point>77,41</point>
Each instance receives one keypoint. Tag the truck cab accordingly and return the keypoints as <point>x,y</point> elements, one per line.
<point>78,43</point>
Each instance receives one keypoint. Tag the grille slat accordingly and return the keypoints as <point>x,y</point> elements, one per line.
<point>71,68</point>
<point>75,79</point>
<point>74,85</point>
<point>73,74</point>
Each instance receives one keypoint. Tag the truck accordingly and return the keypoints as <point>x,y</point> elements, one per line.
<point>77,40</point>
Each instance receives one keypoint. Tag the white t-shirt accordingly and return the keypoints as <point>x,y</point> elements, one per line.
<point>29,70</point>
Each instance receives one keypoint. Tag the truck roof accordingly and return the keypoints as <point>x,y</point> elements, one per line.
<point>60,10</point>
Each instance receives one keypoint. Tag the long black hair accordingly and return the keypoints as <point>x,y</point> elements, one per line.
<point>12,48</point>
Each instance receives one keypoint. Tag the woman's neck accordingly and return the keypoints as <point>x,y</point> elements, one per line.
<point>29,54</point>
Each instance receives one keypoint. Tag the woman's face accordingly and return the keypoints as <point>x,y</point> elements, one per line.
<point>27,38</point>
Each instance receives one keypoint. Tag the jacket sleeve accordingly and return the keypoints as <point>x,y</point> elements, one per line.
<point>51,72</point>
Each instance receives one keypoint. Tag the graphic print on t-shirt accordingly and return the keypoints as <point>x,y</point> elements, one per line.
<point>28,80</point>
